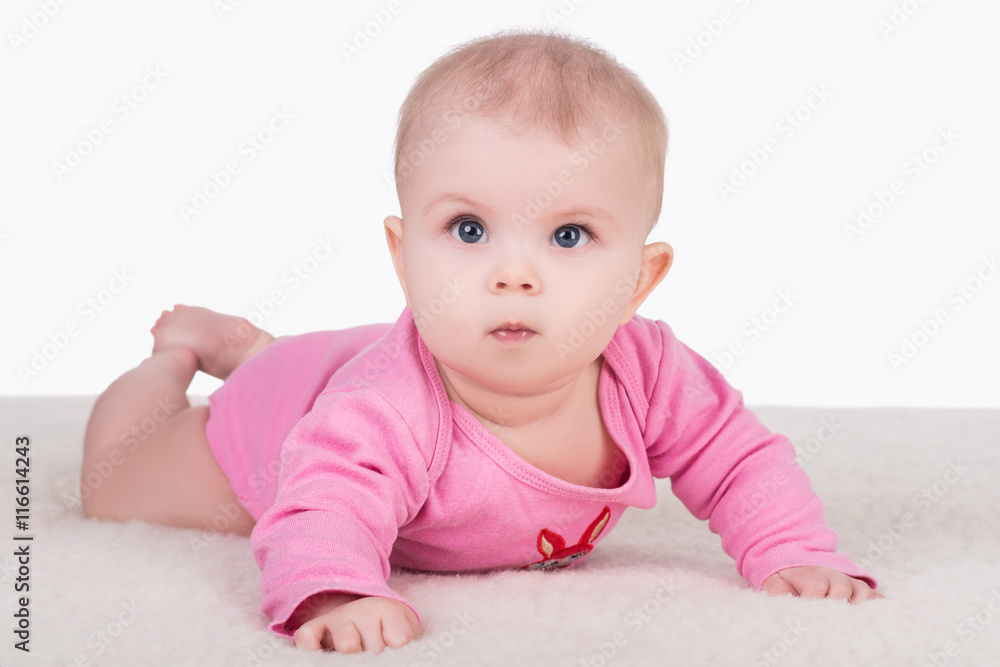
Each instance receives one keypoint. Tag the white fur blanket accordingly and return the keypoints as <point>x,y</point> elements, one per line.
<point>912,492</point>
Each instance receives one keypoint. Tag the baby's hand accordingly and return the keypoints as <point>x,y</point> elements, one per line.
<point>818,582</point>
<point>353,623</point>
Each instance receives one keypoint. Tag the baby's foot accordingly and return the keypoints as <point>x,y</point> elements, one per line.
<point>221,342</point>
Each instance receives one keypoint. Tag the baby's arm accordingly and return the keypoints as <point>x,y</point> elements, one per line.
<point>351,476</point>
<point>725,466</point>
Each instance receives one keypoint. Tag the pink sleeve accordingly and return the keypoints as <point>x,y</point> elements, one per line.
<point>351,475</point>
<point>727,467</point>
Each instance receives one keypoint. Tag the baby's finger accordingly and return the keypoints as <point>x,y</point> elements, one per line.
<point>310,636</point>
<point>370,628</point>
<point>411,617</point>
<point>840,587</point>
<point>346,638</point>
<point>861,591</point>
<point>808,582</point>
<point>775,585</point>
<point>398,628</point>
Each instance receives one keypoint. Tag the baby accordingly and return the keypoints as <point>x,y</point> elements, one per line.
<point>514,410</point>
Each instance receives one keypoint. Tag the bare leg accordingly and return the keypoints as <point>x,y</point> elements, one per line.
<point>146,455</point>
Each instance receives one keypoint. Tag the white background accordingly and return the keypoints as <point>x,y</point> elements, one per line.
<point>327,175</point>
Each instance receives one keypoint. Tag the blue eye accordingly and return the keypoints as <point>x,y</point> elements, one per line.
<point>469,230</point>
<point>571,234</point>
<point>472,231</point>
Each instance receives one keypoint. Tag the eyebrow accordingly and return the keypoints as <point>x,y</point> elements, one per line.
<point>447,197</point>
<point>594,212</point>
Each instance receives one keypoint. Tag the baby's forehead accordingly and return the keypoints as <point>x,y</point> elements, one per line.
<point>593,134</point>
<point>578,148</point>
<point>460,178</point>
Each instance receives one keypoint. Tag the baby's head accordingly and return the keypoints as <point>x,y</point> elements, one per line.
<point>530,81</point>
<point>529,169</point>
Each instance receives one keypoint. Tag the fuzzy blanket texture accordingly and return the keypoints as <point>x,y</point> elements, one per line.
<point>913,494</point>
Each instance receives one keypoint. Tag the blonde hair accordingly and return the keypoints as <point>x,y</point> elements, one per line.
<point>548,81</point>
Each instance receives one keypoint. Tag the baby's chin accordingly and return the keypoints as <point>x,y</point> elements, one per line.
<point>512,375</point>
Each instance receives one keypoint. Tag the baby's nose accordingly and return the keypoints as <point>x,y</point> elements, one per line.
<point>525,286</point>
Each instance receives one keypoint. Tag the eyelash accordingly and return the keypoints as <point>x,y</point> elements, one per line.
<point>581,225</point>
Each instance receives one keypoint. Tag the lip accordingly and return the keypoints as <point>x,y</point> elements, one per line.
<point>512,333</point>
<point>512,326</point>
<point>509,337</point>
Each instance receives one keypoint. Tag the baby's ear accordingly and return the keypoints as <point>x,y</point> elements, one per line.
<point>393,224</point>
<point>394,239</point>
<point>657,258</point>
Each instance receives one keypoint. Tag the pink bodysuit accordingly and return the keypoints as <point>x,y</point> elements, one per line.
<point>346,449</point>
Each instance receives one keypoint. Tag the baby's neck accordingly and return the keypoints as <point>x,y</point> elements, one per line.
<point>504,412</point>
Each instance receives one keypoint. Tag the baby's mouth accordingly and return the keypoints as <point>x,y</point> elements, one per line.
<point>512,328</point>
<point>519,333</point>
<point>512,332</point>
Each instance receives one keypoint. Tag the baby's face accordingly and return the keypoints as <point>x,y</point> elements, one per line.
<point>494,231</point>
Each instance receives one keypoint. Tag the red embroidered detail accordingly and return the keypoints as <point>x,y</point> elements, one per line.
<point>553,546</point>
